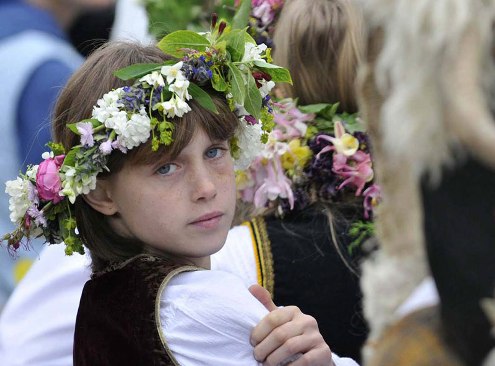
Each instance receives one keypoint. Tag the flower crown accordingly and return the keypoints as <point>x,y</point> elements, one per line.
<point>313,154</point>
<point>225,59</point>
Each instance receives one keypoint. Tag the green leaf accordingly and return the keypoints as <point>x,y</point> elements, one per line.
<point>202,97</point>
<point>217,81</point>
<point>266,65</point>
<point>238,84</point>
<point>252,102</point>
<point>278,74</point>
<point>73,128</point>
<point>175,42</point>
<point>70,158</point>
<point>241,17</point>
<point>235,44</point>
<point>136,71</point>
<point>315,108</point>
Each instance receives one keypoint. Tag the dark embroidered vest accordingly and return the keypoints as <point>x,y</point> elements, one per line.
<point>118,321</point>
<point>298,264</point>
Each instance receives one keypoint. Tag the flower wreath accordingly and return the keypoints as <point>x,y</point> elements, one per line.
<point>42,199</point>
<point>312,154</point>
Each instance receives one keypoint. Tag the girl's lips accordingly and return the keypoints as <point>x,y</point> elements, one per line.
<point>208,221</point>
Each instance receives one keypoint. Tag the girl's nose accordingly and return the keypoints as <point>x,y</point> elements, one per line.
<point>204,187</point>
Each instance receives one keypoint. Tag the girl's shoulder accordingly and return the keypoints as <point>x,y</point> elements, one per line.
<point>212,295</point>
<point>207,318</point>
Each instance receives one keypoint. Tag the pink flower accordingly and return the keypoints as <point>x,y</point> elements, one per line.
<point>371,199</point>
<point>48,181</point>
<point>275,185</point>
<point>293,121</point>
<point>356,170</point>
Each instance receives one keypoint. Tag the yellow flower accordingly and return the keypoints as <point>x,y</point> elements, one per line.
<point>242,180</point>
<point>297,156</point>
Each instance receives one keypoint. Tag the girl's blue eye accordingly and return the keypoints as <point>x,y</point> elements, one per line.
<point>214,153</point>
<point>166,169</point>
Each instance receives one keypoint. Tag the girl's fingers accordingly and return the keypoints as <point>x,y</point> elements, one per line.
<point>290,338</point>
<point>293,349</point>
<point>320,356</point>
<point>271,322</point>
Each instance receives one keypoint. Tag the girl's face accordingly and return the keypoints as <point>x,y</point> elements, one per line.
<point>184,206</point>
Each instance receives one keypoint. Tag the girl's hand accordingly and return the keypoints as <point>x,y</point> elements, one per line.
<point>287,336</point>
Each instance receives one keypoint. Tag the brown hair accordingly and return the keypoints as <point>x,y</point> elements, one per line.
<point>86,86</point>
<point>321,42</point>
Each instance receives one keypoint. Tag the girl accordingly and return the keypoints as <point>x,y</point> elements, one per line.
<point>146,301</point>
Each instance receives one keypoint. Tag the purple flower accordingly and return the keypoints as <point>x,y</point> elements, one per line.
<point>250,120</point>
<point>37,215</point>
<point>106,147</point>
<point>86,131</point>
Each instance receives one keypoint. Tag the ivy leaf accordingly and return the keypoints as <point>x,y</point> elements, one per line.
<point>241,17</point>
<point>175,42</point>
<point>136,71</point>
<point>202,97</point>
<point>252,102</point>
<point>238,84</point>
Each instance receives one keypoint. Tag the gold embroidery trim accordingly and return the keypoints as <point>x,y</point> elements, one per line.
<point>263,253</point>
<point>157,307</point>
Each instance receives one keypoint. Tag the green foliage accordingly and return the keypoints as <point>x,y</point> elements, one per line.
<point>202,97</point>
<point>241,18</point>
<point>167,16</point>
<point>360,231</point>
<point>326,116</point>
<point>238,84</point>
<point>58,149</point>
<point>136,71</point>
<point>252,101</point>
<point>177,43</point>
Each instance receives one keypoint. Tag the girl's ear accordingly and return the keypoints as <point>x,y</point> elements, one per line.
<point>100,199</point>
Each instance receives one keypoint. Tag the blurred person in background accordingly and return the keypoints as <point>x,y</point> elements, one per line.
<point>36,59</point>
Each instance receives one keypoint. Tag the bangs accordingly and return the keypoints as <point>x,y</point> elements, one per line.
<point>218,127</point>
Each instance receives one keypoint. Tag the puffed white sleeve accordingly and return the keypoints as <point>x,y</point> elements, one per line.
<point>207,317</point>
<point>37,325</point>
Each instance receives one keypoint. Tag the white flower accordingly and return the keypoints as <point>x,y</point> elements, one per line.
<point>253,52</point>
<point>175,107</point>
<point>266,87</point>
<point>74,185</point>
<point>180,88</point>
<point>107,105</point>
<point>171,72</point>
<point>135,131</point>
<point>153,79</point>
<point>118,118</point>
<point>19,191</point>
<point>32,171</point>
<point>249,143</point>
